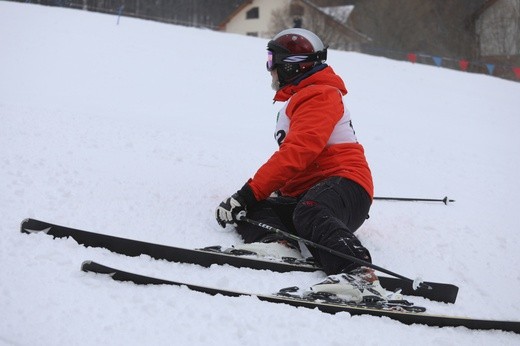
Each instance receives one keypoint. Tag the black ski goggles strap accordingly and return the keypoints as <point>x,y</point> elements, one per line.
<point>285,58</point>
<point>282,58</point>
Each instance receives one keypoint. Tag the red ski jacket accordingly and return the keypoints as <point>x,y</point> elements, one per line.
<point>316,140</point>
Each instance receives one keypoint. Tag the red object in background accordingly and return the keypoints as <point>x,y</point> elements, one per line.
<point>516,70</point>
<point>463,64</point>
<point>412,57</point>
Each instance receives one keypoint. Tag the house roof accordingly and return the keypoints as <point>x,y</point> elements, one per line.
<point>337,21</point>
<point>237,10</point>
<point>482,8</point>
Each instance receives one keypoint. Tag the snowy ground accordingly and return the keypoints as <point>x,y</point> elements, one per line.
<point>140,129</point>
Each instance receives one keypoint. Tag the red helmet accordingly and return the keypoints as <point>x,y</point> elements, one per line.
<point>293,52</point>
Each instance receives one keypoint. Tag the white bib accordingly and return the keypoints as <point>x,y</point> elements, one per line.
<point>343,132</point>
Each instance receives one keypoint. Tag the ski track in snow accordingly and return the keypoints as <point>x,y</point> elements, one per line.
<point>140,129</point>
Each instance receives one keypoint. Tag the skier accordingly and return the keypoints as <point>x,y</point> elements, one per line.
<point>318,185</point>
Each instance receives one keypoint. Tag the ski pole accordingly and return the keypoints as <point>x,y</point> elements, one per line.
<point>417,283</point>
<point>445,200</point>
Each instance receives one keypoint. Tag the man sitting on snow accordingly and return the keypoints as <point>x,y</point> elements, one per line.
<point>322,180</point>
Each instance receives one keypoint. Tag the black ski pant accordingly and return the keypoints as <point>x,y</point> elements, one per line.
<point>328,214</point>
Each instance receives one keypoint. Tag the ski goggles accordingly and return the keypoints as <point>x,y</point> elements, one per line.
<point>281,58</point>
<point>269,64</point>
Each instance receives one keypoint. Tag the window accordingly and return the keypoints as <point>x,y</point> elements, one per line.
<point>253,13</point>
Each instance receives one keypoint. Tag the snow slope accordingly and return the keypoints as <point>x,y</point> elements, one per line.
<point>141,129</point>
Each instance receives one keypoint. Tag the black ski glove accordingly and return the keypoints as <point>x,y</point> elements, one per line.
<point>232,207</point>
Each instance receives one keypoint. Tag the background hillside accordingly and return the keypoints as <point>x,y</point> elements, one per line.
<point>480,36</point>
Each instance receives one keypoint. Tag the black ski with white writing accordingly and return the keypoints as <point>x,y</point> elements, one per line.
<point>406,313</point>
<point>214,255</point>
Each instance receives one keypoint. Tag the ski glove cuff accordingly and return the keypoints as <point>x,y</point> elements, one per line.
<point>235,206</point>
<point>246,192</point>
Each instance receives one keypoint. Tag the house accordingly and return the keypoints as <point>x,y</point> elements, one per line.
<point>264,18</point>
<point>497,28</point>
<point>252,17</point>
<point>496,24</point>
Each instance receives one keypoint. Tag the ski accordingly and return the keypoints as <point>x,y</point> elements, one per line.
<point>208,256</point>
<point>404,312</point>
